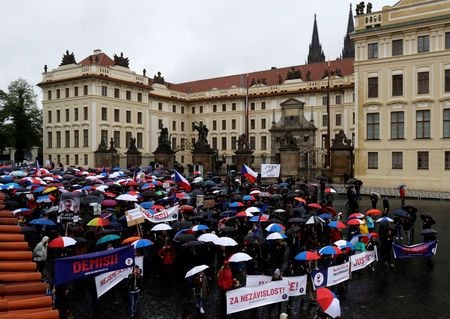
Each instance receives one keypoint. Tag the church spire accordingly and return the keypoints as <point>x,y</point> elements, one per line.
<point>349,47</point>
<point>315,48</point>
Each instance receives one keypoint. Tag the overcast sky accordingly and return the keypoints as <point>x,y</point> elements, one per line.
<point>186,39</point>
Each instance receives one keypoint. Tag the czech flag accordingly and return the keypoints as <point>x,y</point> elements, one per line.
<point>182,182</point>
<point>250,174</point>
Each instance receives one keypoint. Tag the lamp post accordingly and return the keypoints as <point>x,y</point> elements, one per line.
<point>328,122</point>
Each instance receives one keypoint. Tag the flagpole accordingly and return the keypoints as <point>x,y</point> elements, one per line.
<point>246,109</point>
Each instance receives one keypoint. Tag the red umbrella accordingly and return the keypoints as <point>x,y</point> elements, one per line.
<point>61,242</point>
<point>328,302</point>
<point>244,214</point>
<point>373,212</point>
<point>186,208</point>
<point>109,202</point>
<point>330,210</point>
<point>314,205</point>
<point>354,222</point>
<point>307,255</point>
<point>356,215</point>
<point>130,240</point>
<point>299,199</point>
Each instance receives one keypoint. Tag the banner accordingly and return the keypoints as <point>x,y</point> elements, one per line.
<point>331,276</point>
<point>256,280</point>
<point>270,170</point>
<point>265,293</point>
<point>418,250</point>
<point>108,280</point>
<point>69,205</point>
<point>167,215</point>
<point>86,265</point>
<point>362,260</point>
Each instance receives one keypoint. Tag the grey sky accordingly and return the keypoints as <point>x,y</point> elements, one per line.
<point>186,39</point>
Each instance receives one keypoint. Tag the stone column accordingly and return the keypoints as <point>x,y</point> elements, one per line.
<point>289,163</point>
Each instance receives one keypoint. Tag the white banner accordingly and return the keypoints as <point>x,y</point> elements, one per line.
<point>270,170</point>
<point>108,280</point>
<point>167,215</point>
<point>265,293</point>
<point>362,260</point>
<point>256,280</point>
<point>331,276</point>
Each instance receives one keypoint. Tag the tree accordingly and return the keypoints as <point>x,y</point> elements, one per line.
<point>20,118</point>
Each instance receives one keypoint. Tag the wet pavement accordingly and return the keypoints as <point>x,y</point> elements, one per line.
<point>413,289</point>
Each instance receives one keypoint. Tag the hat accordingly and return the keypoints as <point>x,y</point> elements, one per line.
<point>283,315</point>
<point>45,239</point>
<point>277,272</point>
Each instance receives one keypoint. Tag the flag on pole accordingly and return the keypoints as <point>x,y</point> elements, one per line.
<point>182,182</point>
<point>38,168</point>
<point>104,172</point>
<point>250,174</point>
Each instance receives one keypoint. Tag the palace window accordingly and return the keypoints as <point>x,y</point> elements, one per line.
<point>397,160</point>
<point>128,95</point>
<point>116,93</point>
<point>128,116</point>
<point>85,138</point>
<point>397,85</point>
<point>397,47</point>
<point>104,114</point>
<point>397,125</point>
<point>372,158</point>
<point>372,50</point>
<point>423,124</point>
<point>423,83</point>
<point>116,138</point>
<point>423,43</point>
<point>117,115</point>
<point>446,128</point>
<point>373,126</point>
<point>372,87</point>
<point>422,160</point>
<point>104,90</point>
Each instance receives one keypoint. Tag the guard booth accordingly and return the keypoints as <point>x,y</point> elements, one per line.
<point>198,168</point>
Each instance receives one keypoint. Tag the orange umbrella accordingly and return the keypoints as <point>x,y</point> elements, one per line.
<point>130,240</point>
<point>299,199</point>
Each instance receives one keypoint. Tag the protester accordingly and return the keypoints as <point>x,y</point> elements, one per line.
<point>40,254</point>
<point>134,284</point>
<point>200,290</point>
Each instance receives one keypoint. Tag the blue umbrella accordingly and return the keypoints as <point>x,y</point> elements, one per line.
<point>325,216</point>
<point>107,239</point>
<point>11,186</point>
<point>42,221</point>
<point>147,205</point>
<point>39,189</point>
<point>142,243</point>
<point>43,199</point>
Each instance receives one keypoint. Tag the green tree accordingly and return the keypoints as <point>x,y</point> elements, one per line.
<point>20,118</point>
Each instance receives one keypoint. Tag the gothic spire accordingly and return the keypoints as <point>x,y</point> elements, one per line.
<point>349,48</point>
<point>315,48</point>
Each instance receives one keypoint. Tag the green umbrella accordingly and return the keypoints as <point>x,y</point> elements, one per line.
<point>107,239</point>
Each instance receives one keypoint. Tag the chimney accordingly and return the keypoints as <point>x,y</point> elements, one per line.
<point>97,51</point>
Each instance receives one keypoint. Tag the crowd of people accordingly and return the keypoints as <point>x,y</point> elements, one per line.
<point>228,207</point>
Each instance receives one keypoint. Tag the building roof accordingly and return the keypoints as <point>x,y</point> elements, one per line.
<point>98,59</point>
<point>272,77</point>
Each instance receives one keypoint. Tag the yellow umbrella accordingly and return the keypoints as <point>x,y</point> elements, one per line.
<point>50,189</point>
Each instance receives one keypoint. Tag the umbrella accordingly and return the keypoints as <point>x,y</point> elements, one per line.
<point>337,224</point>
<point>330,210</point>
<point>330,250</point>
<point>376,194</point>
<point>42,221</point>
<point>354,222</point>
<point>330,190</point>
<point>426,216</point>
<point>23,211</point>
<point>275,228</point>
<point>225,241</point>
<point>109,202</point>
<point>244,214</point>
<point>239,257</point>
<point>314,220</point>
<point>130,240</point>
<point>384,219</point>
<point>142,243</point>
<point>342,244</point>
<point>182,237</point>
<point>307,255</point>
<point>400,213</point>
<point>208,238</point>
<point>98,222</point>
<point>180,225</point>
<point>373,212</point>
<point>107,238</point>
<point>248,198</point>
<point>43,199</point>
<point>259,218</point>
<point>195,270</point>
<point>328,302</point>
<point>279,210</point>
<point>236,204</point>
<point>61,242</point>
<point>193,243</point>
<point>160,227</point>
<point>127,198</point>
<point>429,231</point>
<point>199,227</point>
<point>187,208</point>
<point>274,236</point>
<point>355,215</point>
<point>253,209</point>
<point>301,200</point>
<point>325,216</point>
<point>314,205</point>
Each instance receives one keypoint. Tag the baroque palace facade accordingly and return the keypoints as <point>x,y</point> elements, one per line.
<point>100,98</point>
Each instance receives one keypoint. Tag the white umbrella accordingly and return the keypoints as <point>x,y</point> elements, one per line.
<point>239,257</point>
<point>314,220</point>
<point>127,197</point>
<point>255,192</point>
<point>279,210</point>
<point>208,238</point>
<point>102,188</point>
<point>385,219</point>
<point>161,227</point>
<point>225,241</point>
<point>253,209</point>
<point>274,236</point>
<point>196,270</point>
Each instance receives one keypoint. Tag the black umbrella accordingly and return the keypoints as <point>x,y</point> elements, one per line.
<point>69,176</point>
<point>296,220</point>
<point>195,217</point>
<point>227,229</point>
<point>401,213</point>
<point>181,225</point>
<point>255,238</point>
<point>193,243</point>
<point>183,238</point>
<point>429,231</point>
<point>428,218</point>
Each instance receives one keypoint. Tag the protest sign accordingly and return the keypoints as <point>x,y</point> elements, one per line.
<point>86,265</point>
<point>167,215</point>
<point>362,260</point>
<point>108,280</point>
<point>270,170</point>
<point>418,250</point>
<point>331,276</point>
